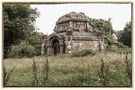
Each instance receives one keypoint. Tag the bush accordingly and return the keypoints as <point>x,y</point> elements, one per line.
<point>120,45</point>
<point>84,52</point>
<point>21,50</point>
<point>37,50</point>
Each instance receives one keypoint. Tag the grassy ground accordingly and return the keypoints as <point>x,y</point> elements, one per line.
<point>103,69</point>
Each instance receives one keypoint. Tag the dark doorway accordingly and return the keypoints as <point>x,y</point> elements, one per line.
<point>55,46</point>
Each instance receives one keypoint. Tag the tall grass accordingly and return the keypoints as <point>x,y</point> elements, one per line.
<point>7,74</point>
<point>72,71</point>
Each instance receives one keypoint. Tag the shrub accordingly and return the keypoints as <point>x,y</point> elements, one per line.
<point>21,50</point>
<point>37,50</point>
<point>84,52</point>
<point>120,45</point>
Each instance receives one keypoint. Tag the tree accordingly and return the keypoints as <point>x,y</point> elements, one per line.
<point>125,36</point>
<point>102,26</point>
<point>18,23</point>
<point>35,40</point>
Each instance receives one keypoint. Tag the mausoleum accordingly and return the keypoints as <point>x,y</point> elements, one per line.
<point>72,33</point>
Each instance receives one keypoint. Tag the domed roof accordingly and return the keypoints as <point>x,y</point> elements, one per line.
<point>73,16</point>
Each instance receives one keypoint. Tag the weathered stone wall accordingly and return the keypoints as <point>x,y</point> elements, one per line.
<point>62,27</point>
<point>80,45</point>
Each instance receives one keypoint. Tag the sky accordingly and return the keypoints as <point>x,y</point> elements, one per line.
<point>120,14</point>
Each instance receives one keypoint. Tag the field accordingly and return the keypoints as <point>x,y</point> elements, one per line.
<point>102,69</point>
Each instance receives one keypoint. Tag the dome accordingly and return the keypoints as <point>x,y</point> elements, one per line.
<point>72,16</point>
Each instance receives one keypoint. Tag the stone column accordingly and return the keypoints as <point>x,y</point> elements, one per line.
<point>61,49</point>
<point>49,48</point>
<point>42,49</point>
<point>61,45</point>
<point>49,51</point>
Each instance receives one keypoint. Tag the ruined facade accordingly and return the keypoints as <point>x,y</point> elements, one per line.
<point>72,33</point>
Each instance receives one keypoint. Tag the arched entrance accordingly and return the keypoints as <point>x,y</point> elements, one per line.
<point>55,46</point>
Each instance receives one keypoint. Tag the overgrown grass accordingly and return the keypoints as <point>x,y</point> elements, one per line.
<point>103,69</point>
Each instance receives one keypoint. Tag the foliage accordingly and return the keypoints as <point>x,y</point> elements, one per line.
<point>120,45</point>
<point>35,40</point>
<point>125,36</point>
<point>102,26</point>
<point>82,53</point>
<point>21,50</point>
<point>18,24</point>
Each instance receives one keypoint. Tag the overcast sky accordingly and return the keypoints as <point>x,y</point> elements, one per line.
<point>120,14</point>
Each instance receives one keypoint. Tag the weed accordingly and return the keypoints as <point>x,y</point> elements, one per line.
<point>46,70</point>
<point>104,73</point>
<point>34,67</point>
<point>128,67</point>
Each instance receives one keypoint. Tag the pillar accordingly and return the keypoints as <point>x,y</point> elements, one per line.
<point>42,49</point>
<point>61,49</point>
<point>49,50</point>
<point>61,43</point>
